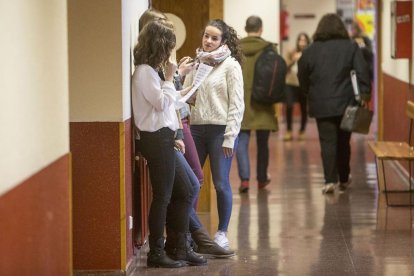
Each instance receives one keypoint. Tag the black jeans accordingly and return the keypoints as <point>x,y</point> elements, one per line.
<point>158,149</point>
<point>294,94</point>
<point>335,149</point>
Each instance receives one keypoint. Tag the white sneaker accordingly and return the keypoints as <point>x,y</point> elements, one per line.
<point>329,188</point>
<point>221,239</point>
<point>344,185</point>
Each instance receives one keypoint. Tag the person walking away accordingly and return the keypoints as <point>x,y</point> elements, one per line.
<point>324,73</point>
<point>258,117</point>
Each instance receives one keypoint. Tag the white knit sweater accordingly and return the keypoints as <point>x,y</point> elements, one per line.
<point>220,99</point>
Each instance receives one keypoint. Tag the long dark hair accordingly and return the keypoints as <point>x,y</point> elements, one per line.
<point>155,43</point>
<point>308,40</point>
<point>330,27</point>
<point>229,37</point>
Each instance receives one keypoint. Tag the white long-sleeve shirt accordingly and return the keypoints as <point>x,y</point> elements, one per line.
<point>220,99</point>
<point>153,100</point>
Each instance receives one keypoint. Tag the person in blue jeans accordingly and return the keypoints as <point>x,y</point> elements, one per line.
<point>218,112</point>
<point>257,117</point>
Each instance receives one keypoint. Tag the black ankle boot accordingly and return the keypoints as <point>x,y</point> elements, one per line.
<point>185,253</point>
<point>205,246</point>
<point>170,244</point>
<point>157,258</point>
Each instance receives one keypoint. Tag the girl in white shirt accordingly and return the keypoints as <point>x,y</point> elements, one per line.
<point>218,112</point>
<point>153,102</point>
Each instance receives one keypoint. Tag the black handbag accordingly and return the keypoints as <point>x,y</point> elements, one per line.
<point>356,117</point>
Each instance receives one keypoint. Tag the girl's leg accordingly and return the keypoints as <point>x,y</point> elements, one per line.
<point>220,169</point>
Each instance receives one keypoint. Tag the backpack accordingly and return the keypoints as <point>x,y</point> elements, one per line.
<point>269,77</point>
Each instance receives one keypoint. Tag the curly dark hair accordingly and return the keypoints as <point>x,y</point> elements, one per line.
<point>229,37</point>
<point>330,27</point>
<point>155,43</point>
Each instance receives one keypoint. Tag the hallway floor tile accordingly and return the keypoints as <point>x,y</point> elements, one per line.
<point>291,228</point>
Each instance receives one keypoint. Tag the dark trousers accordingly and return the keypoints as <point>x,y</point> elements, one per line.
<point>158,149</point>
<point>294,94</point>
<point>335,149</point>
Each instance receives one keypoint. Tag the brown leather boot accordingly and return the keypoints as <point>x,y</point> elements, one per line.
<point>207,247</point>
<point>185,253</point>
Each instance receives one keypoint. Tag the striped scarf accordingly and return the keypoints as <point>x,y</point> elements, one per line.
<point>214,57</point>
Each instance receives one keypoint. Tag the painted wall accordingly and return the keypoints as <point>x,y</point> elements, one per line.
<point>103,93</point>
<point>396,87</point>
<point>131,11</point>
<point>101,37</point>
<point>237,11</point>
<point>308,25</point>
<point>95,75</point>
<point>397,68</point>
<point>34,88</point>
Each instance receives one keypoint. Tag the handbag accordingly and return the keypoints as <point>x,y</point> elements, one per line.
<point>356,117</point>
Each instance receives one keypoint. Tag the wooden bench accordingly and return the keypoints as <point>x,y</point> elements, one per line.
<point>385,151</point>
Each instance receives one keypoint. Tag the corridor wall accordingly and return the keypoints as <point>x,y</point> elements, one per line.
<point>237,11</point>
<point>35,226</point>
<point>396,86</point>
<point>101,35</point>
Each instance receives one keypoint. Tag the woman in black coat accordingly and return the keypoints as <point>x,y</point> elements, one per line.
<point>324,73</point>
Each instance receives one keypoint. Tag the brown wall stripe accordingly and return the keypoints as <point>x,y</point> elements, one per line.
<point>96,200</point>
<point>35,223</point>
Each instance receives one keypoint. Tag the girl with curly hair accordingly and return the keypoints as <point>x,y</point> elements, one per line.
<point>218,112</point>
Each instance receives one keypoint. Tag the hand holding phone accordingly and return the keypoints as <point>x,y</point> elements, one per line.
<point>185,66</point>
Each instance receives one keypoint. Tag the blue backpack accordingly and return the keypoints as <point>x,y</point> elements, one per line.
<point>269,77</point>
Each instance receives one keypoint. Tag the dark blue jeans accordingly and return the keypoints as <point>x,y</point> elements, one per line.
<point>243,161</point>
<point>185,176</point>
<point>209,142</point>
<point>335,149</point>
<point>158,149</point>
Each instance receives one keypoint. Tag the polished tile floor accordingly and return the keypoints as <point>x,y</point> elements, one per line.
<point>291,228</point>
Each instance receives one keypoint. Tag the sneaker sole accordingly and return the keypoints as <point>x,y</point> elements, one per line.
<point>213,256</point>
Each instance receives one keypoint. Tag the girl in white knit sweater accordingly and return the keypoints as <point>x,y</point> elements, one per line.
<point>218,112</point>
